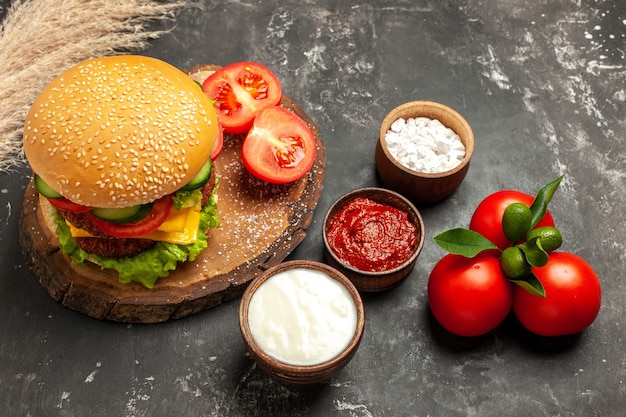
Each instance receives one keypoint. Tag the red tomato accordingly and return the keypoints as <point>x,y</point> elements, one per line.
<point>469,296</point>
<point>572,302</point>
<point>487,218</point>
<point>240,91</point>
<point>219,144</point>
<point>68,205</point>
<point>280,147</point>
<point>156,216</point>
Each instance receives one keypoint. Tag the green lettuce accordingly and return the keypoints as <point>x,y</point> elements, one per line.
<point>150,265</point>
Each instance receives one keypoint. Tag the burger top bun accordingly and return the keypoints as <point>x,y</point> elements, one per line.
<point>119,131</point>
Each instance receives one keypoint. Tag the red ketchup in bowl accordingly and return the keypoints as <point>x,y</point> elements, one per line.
<point>371,236</point>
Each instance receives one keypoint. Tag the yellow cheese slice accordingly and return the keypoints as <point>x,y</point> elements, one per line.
<point>181,227</point>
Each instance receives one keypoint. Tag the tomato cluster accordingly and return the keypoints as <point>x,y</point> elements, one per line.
<point>470,294</point>
<point>279,146</point>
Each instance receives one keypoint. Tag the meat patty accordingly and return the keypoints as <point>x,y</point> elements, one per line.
<point>113,247</point>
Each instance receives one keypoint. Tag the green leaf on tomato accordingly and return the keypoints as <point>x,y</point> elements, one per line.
<point>534,253</point>
<point>531,284</point>
<point>464,242</point>
<point>540,205</point>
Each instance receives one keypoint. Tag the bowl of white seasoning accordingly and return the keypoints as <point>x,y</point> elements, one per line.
<point>424,151</point>
<point>302,321</point>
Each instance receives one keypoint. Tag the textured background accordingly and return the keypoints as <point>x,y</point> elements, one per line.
<point>543,84</point>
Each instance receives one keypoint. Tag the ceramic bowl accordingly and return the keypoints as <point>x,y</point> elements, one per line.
<point>423,188</point>
<point>275,364</point>
<point>367,281</point>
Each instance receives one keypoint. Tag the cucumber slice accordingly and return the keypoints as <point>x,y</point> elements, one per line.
<point>201,179</point>
<point>122,215</point>
<point>44,189</point>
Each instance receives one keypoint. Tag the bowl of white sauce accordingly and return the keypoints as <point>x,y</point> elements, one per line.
<point>302,321</point>
<point>424,151</point>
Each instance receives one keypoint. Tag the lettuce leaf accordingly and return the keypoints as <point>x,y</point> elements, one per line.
<point>150,265</point>
<point>184,199</point>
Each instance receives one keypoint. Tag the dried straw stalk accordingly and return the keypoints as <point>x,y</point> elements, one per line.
<point>39,39</point>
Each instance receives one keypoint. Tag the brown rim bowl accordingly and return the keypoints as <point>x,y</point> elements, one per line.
<point>367,281</point>
<point>423,188</point>
<point>300,374</point>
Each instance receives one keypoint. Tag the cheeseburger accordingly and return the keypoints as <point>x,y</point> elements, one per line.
<point>121,152</point>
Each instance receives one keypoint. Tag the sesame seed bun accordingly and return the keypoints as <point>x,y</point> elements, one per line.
<point>119,131</point>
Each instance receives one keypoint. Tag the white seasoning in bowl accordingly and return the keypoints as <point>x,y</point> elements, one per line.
<point>424,145</point>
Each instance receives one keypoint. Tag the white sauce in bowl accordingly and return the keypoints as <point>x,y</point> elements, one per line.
<point>302,316</point>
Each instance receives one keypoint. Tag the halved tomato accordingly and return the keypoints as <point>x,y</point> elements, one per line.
<point>156,217</point>
<point>280,147</point>
<point>63,203</point>
<point>240,90</point>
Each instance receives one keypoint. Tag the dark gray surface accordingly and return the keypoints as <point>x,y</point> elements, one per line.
<point>543,85</point>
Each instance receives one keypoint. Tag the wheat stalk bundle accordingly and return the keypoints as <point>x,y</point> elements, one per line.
<point>39,39</point>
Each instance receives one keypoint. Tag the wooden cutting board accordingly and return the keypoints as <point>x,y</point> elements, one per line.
<point>261,224</point>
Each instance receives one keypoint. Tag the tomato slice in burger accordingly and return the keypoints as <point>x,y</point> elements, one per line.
<point>219,143</point>
<point>156,217</point>
<point>280,148</point>
<point>240,90</point>
<point>63,203</point>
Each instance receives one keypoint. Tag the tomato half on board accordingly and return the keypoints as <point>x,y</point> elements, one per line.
<point>280,148</point>
<point>156,217</point>
<point>240,90</point>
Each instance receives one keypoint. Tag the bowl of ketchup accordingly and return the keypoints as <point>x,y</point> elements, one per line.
<point>373,236</point>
